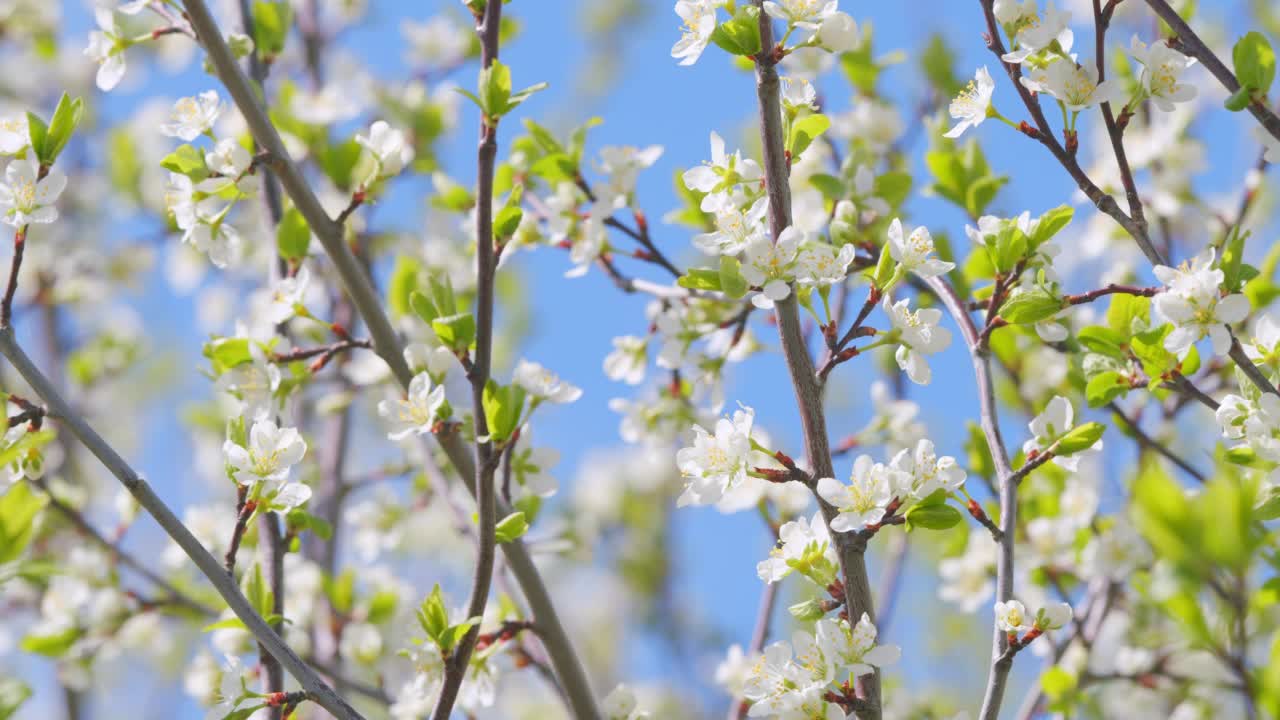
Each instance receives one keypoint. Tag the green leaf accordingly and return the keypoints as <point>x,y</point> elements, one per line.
<point>432,615</point>
<point>938,63</point>
<point>271,21</point>
<point>1030,306</point>
<point>506,222</point>
<point>503,406</point>
<point>341,590</point>
<point>456,331</point>
<point>450,638</point>
<point>51,645</point>
<point>495,88</point>
<point>1239,100</point>
<point>257,592</point>
<point>831,187</point>
<point>700,279</point>
<point>1051,223</point>
<point>893,187</point>
<point>981,192</point>
<point>1255,63</point>
<point>243,713</point>
<point>511,527</point>
<point>740,34</point>
<point>66,117</point>
<point>293,236</point>
<point>226,353</point>
<point>732,281</point>
<point>804,131</point>
<point>807,611</point>
<point>423,307</point>
<point>186,160</point>
<point>37,131</point>
<point>403,282</point>
<point>1080,438</point>
<point>1102,340</point>
<point>1105,387</point>
<point>933,516</point>
<point>18,509</point>
<point>231,623</point>
<point>1057,682</point>
<point>299,519</point>
<point>382,606</point>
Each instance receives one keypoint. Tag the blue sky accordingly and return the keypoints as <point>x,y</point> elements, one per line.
<point>654,101</point>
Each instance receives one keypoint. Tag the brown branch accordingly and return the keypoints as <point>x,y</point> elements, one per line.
<point>457,662</point>
<point>808,390</point>
<point>6,307</point>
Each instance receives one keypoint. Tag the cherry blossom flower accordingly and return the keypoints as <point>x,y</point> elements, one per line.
<point>855,650</point>
<point>417,412</point>
<point>192,117</point>
<point>542,384</point>
<point>915,250</point>
<point>287,295</point>
<point>14,134</point>
<point>26,199</point>
<point>803,545</point>
<point>716,463</point>
<point>1046,428</point>
<point>925,472</point>
<point>839,33</point>
<point>1194,304</point>
<point>918,335</point>
<point>865,499</point>
<point>699,17</point>
<point>1035,33</point>
<point>389,147</point>
<point>628,360</point>
<point>1076,87</point>
<point>807,14</point>
<point>106,47</point>
<point>266,462</point>
<point>770,266</point>
<point>1162,68</point>
<point>735,227</point>
<point>723,172</point>
<point>973,104</point>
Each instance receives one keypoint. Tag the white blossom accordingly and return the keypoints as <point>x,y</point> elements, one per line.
<point>1055,421</point>
<point>1194,304</point>
<point>716,463</point>
<point>865,499</point>
<point>699,18</point>
<point>918,335</point>
<point>735,226</point>
<point>1036,33</point>
<point>192,117</point>
<point>389,148</point>
<point>807,14</point>
<point>821,264</point>
<point>925,472</point>
<point>14,134</point>
<point>417,412</point>
<point>770,266</point>
<point>287,294</point>
<point>1162,68</point>
<point>106,47</point>
<point>542,384</point>
<point>1077,87</point>
<point>915,251</point>
<point>628,360</point>
<point>27,199</point>
<point>839,33</point>
<point>797,539</point>
<point>266,462</point>
<point>973,104</point>
<point>724,171</point>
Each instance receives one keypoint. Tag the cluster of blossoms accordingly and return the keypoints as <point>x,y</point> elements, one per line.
<point>828,27</point>
<point>1195,303</point>
<point>791,679</point>
<point>913,474</point>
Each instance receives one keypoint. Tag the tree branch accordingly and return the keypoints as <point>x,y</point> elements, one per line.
<point>998,677</point>
<point>387,344</point>
<point>808,390</point>
<point>147,498</point>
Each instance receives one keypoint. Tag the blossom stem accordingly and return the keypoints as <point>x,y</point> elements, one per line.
<point>808,388</point>
<point>6,307</point>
